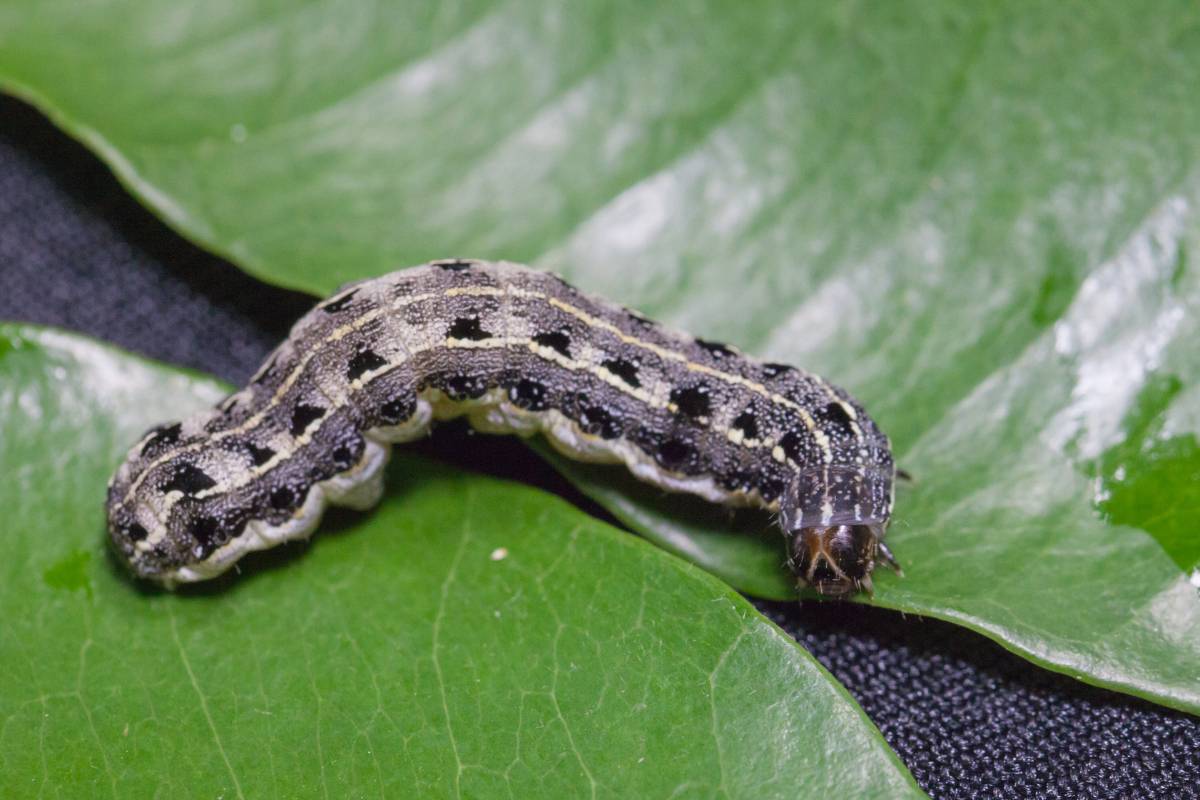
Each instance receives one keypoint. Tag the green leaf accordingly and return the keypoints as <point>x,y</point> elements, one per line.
<point>437,649</point>
<point>980,218</point>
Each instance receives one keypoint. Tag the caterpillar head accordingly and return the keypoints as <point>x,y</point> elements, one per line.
<point>835,518</point>
<point>836,560</point>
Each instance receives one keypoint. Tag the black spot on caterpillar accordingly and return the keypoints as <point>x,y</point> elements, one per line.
<point>623,369</point>
<point>364,361</point>
<point>516,351</point>
<point>693,402</point>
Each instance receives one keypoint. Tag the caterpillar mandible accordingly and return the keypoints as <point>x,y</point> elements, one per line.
<point>517,351</point>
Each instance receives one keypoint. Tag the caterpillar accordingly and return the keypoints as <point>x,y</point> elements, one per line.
<point>520,351</point>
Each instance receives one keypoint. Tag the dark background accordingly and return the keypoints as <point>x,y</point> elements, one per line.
<point>967,717</point>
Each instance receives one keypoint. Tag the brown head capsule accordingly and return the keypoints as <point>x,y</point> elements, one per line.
<point>835,519</point>
<point>835,561</point>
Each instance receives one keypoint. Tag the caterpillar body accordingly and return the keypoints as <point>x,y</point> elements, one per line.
<point>517,351</point>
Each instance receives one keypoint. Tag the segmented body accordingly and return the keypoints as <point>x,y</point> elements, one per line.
<point>516,350</point>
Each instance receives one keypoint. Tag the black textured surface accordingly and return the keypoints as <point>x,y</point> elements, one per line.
<point>969,719</point>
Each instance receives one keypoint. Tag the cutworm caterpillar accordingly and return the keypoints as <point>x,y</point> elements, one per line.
<point>516,351</point>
